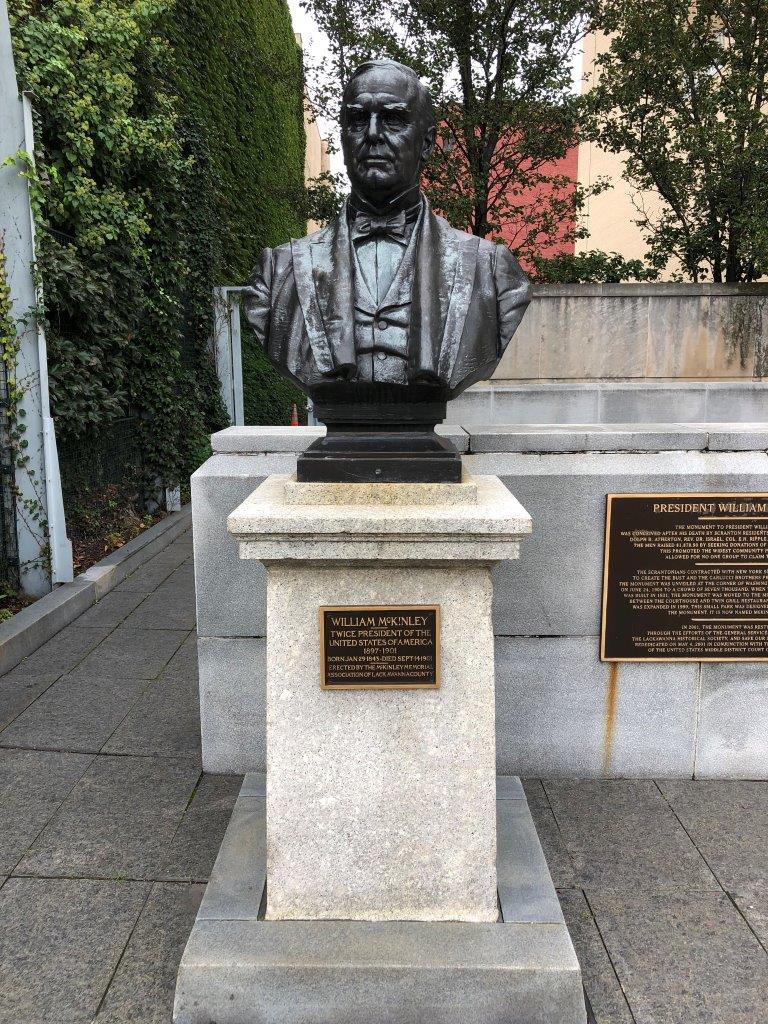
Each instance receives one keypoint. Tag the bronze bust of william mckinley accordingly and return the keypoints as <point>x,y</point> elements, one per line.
<point>387,312</point>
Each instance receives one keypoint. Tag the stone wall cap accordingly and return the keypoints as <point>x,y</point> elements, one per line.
<point>243,440</point>
<point>610,437</point>
<point>648,289</point>
<point>487,531</point>
<point>598,384</point>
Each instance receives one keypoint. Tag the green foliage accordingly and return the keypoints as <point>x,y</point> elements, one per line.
<point>270,396</point>
<point>171,151</point>
<point>683,90</point>
<point>501,77</point>
<point>590,267</point>
<point>113,177</point>
<point>239,70</point>
<point>240,74</point>
<point>324,197</point>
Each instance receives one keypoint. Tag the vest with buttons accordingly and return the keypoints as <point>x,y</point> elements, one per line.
<point>381,329</point>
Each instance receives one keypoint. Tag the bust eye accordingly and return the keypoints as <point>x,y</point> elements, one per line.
<point>395,121</point>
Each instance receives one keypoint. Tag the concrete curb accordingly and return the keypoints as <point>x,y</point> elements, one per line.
<point>32,626</point>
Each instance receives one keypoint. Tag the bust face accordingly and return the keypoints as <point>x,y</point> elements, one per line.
<point>383,137</point>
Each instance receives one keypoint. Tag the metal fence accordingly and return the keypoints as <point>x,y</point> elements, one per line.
<point>110,455</point>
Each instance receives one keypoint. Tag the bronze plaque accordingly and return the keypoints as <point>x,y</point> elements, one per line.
<point>380,647</point>
<point>685,578</point>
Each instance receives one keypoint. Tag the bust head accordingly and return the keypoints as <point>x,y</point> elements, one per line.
<point>387,130</point>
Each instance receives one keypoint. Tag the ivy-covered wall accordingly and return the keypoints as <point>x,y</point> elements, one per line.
<point>239,71</point>
<point>170,151</point>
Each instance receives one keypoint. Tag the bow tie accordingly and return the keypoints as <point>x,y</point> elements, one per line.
<point>368,225</point>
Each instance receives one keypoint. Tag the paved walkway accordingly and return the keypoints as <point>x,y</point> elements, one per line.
<point>108,830</point>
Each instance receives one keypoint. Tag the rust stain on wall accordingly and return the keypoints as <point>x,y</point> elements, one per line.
<point>609,715</point>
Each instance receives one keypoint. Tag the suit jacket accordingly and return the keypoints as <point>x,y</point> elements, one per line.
<point>468,298</point>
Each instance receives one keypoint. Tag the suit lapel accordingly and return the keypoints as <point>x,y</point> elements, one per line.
<point>445,273</point>
<point>333,277</point>
<point>322,272</point>
<point>305,289</point>
<point>465,248</point>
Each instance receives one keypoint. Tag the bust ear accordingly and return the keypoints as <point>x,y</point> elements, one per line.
<point>428,144</point>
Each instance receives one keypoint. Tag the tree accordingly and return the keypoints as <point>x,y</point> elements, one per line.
<point>682,90</point>
<point>500,73</point>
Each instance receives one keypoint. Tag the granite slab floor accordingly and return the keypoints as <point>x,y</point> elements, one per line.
<point>109,829</point>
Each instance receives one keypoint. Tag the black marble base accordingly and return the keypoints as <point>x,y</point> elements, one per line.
<point>380,433</point>
<point>400,457</point>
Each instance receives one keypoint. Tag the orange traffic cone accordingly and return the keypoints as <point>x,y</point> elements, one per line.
<point>294,416</point>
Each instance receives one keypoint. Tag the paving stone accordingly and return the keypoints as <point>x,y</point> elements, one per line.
<point>235,890</point>
<point>195,845</point>
<point>684,958</point>
<point>184,575</point>
<point>142,989</point>
<point>133,653</point>
<point>76,713</point>
<point>60,941</point>
<point>534,792</point>
<point>184,661</point>
<point>60,654</point>
<point>17,693</point>
<point>147,578</point>
<point>755,909</point>
<point>168,607</point>
<point>33,785</point>
<point>111,609</point>
<point>254,784</point>
<point>553,845</point>
<point>525,889</point>
<point>118,820</point>
<point>182,544</point>
<point>621,833</point>
<point>509,787</point>
<point>163,722</point>
<point>173,555</point>
<point>728,822</point>
<point>602,986</point>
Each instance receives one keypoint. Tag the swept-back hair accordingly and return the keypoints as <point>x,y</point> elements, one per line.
<point>425,106</point>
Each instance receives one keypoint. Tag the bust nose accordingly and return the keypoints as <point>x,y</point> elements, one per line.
<point>373,132</point>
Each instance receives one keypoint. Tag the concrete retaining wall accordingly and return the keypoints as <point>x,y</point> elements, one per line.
<point>560,711</point>
<point>611,402</point>
<point>649,331</point>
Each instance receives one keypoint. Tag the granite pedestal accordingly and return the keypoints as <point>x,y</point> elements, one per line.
<point>239,968</point>
<point>380,803</point>
<point>376,878</point>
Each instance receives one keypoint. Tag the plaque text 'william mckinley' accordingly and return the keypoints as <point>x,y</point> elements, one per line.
<point>685,578</point>
<point>380,647</point>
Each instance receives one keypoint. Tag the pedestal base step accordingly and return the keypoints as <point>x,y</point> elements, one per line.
<point>239,969</point>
